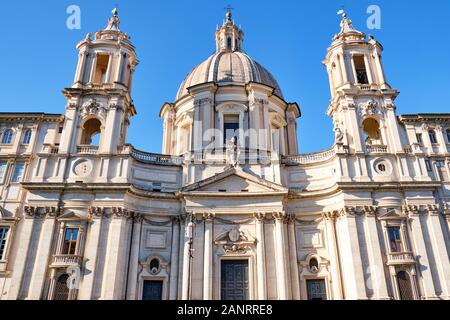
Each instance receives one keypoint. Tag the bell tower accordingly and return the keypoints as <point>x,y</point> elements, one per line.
<point>99,103</point>
<point>362,102</point>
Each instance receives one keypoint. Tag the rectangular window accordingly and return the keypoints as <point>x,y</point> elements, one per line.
<point>70,241</point>
<point>395,240</point>
<point>3,239</point>
<point>3,167</point>
<point>361,72</point>
<point>428,165</point>
<point>18,172</point>
<point>101,69</point>
<point>448,135</point>
<point>419,138</point>
<point>230,127</point>
<point>433,138</point>
<point>316,289</point>
<point>440,164</point>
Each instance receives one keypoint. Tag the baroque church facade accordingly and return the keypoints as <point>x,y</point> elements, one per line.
<point>230,210</point>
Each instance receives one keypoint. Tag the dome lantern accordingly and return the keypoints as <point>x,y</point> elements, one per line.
<point>229,37</point>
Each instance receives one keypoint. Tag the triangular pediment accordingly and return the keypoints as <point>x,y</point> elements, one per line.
<point>390,213</point>
<point>71,215</point>
<point>234,180</point>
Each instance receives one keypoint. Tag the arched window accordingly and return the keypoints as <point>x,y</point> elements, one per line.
<point>61,288</point>
<point>229,43</point>
<point>91,132</point>
<point>432,135</point>
<point>404,286</point>
<point>448,135</point>
<point>372,128</point>
<point>7,137</point>
<point>27,137</point>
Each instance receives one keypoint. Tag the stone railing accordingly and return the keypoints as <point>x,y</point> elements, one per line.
<point>87,149</point>
<point>50,149</point>
<point>407,149</point>
<point>310,158</point>
<point>155,158</point>
<point>364,87</point>
<point>65,260</point>
<point>399,258</point>
<point>376,149</point>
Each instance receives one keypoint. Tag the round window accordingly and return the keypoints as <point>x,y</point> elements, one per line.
<point>383,167</point>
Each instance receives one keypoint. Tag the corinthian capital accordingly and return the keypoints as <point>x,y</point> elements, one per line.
<point>280,216</point>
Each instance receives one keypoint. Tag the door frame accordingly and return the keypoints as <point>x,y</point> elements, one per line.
<point>251,274</point>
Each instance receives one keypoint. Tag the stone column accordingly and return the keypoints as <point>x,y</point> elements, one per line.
<point>119,69</point>
<point>109,67</point>
<point>134,257</point>
<point>197,129</point>
<point>116,256</point>
<point>343,64</point>
<point>43,255</point>
<point>261,256</point>
<point>425,276</point>
<point>90,253</point>
<point>186,264</point>
<point>440,251</point>
<point>24,233</point>
<point>173,280</point>
<point>336,281</point>
<point>93,66</point>
<point>379,69</point>
<point>368,69</point>
<point>280,245</point>
<point>293,258</point>
<point>349,246</point>
<point>81,66</point>
<point>207,260</point>
<point>354,127</point>
<point>181,255</point>
<point>377,275</point>
<point>110,133</point>
<point>355,76</point>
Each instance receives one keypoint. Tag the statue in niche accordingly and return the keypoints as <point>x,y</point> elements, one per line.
<point>232,152</point>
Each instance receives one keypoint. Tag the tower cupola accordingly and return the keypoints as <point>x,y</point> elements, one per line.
<point>229,37</point>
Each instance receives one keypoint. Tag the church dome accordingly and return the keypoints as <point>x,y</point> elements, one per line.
<point>229,64</point>
<point>223,67</point>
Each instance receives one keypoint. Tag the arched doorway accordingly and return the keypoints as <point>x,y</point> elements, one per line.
<point>404,286</point>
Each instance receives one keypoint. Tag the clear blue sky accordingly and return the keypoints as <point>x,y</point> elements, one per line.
<point>290,38</point>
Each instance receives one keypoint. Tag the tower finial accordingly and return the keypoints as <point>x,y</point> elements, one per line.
<point>346,23</point>
<point>342,13</point>
<point>114,21</point>
<point>228,14</point>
